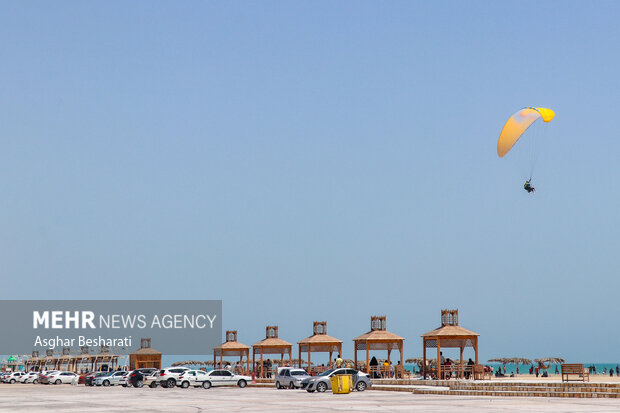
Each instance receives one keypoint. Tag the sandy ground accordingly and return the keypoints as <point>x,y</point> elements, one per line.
<point>66,398</point>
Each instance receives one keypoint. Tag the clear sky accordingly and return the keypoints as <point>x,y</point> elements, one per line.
<point>318,161</point>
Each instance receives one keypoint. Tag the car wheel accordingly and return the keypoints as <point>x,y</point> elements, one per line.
<point>153,385</point>
<point>185,384</point>
<point>12,381</point>
<point>242,383</point>
<point>171,383</point>
<point>57,381</point>
<point>125,385</point>
<point>35,381</point>
<point>278,385</point>
<point>138,384</point>
<point>321,387</point>
<point>106,383</point>
<point>360,386</point>
<point>291,386</point>
<point>206,384</point>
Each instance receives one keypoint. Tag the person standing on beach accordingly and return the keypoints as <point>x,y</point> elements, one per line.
<point>339,361</point>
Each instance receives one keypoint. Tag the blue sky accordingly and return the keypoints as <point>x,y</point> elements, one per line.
<point>318,161</point>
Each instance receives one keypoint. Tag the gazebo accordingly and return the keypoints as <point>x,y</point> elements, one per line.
<point>232,348</point>
<point>84,361</point>
<point>145,357</point>
<point>319,341</point>
<point>449,335</point>
<point>105,358</point>
<point>378,338</point>
<point>270,345</point>
<point>49,362</point>
<point>66,361</point>
<point>33,363</point>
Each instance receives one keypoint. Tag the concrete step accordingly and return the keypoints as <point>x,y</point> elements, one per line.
<point>530,393</point>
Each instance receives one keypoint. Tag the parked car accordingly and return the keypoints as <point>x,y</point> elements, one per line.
<point>89,379</point>
<point>61,377</point>
<point>224,378</point>
<point>290,377</point>
<point>322,382</point>
<point>151,380</point>
<point>29,377</point>
<point>135,378</point>
<point>193,378</point>
<point>168,377</point>
<point>110,379</point>
<point>13,377</point>
<point>43,377</point>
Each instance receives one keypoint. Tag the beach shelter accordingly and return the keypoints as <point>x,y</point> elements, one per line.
<point>33,363</point>
<point>66,362</point>
<point>319,341</point>
<point>449,335</point>
<point>145,357</point>
<point>270,345</point>
<point>231,348</point>
<point>378,338</point>
<point>84,361</point>
<point>105,358</point>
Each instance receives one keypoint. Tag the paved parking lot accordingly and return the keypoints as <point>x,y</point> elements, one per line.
<point>66,398</point>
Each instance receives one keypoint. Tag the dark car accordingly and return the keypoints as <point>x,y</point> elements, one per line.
<point>136,377</point>
<point>90,377</point>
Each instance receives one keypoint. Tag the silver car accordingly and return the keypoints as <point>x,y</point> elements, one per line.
<point>289,377</point>
<point>110,379</point>
<point>322,382</point>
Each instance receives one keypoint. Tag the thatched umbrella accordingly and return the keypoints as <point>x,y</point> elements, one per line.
<point>502,360</point>
<point>188,363</point>
<point>549,361</point>
<point>518,360</point>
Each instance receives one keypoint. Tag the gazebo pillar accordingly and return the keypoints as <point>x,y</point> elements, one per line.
<point>367,358</point>
<point>438,358</point>
<point>309,351</point>
<point>476,349</point>
<point>354,357</point>
<point>424,358</point>
<point>261,362</point>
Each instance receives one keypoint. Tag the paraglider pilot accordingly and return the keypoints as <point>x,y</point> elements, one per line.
<point>528,187</point>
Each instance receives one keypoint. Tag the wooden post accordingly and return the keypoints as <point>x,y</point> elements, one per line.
<point>438,359</point>
<point>261,362</point>
<point>354,354</point>
<point>402,358</point>
<point>476,343</point>
<point>424,358</point>
<point>367,358</point>
<point>461,368</point>
<point>221,359</point>
<point>299,359</point>
<point>309,351</point>
<point>253,359</point>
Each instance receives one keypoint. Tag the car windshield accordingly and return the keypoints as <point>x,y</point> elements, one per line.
<point>298,373</point>
<point>327,372</point>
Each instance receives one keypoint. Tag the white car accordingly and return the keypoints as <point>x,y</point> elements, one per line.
<point>13,377</point>
<point>61,377</point>
<point>109,379</point>
<point>29,377</point>
<point>169,376</point>
<point>193,378</point>
<point>224,378</point>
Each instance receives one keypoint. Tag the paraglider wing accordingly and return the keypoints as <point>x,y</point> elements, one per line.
<point>517,124</point>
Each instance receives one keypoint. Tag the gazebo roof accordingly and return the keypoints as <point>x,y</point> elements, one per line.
<point>379,335</point>
<point>232,345</point>
<point>272,342</point>
<point>450,331</point>
<point>320,338</point>
<point>145,351</point>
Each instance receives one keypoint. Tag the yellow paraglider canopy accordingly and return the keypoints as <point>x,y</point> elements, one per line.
<point>517,124</point>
